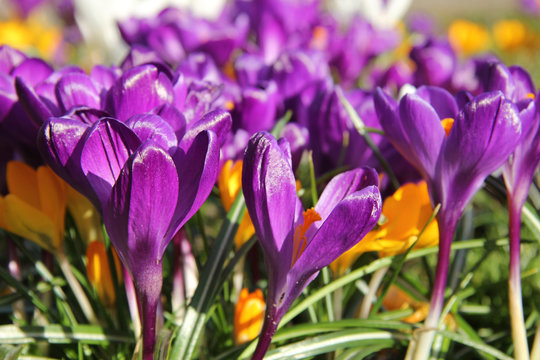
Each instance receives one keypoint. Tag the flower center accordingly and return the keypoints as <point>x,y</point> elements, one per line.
<point>300,241</point>
<point>447,125</point>
<point>530,96</point>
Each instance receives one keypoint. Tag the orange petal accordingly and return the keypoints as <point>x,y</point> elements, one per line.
<point>22,182</point>
<point>248,316</point>
<point>52,195</point>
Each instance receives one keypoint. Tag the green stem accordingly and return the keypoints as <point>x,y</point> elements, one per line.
<point>78,291</point>
<point>374,284</point>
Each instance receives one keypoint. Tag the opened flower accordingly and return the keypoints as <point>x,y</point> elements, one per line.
<point>297,244</point>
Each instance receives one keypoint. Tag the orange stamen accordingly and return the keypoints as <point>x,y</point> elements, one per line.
<point>447,125</point>
<point>530,96</point>
<point>300,241</point>
<point>319,38</point>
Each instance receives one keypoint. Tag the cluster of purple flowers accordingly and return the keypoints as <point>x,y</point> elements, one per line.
<point>144,140</point>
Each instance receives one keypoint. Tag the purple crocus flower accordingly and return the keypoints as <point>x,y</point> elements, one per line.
<point>435,62</point>
<point>485,132</point>
<point>146,186</point>
<point>518,174</point>
<point>297,247</point>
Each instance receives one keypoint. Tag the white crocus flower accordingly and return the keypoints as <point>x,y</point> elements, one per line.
<point>382,14</point>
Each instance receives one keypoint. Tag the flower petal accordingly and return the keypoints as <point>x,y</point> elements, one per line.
<point>219,121</point>
<point>75,90</point>
<point>141,205</point>
<point>26,221</point>
<point>197,173</point>
<point>107,146</point>
<point>424,132</point>
<point>60,143</point>
<point>149,126</point>
<point>344,185</point>
<point>270,192</point>
<point>348,223</point>
<point>138,91</point>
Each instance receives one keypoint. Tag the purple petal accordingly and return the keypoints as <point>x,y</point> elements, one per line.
<point>219,121</point>
<point>36,109</point>
<point>107,146</point>
<point>424,133</point>
<point>487,131</point>
<point>483,137</point>
<point>10,58</point>
<point>150,126</point>
<point>440,99</point>
<point>75,90</point>
<point>141,206</point>
<point>386,109</point>
<point>347,224</point>
<point>33,71</point>
<point>138,91</point>
<point>523,82</point>
<point>258,108</point>
<point>60,143</point>
<point>344,185</point>
<point>270,192</point>
<point>174,117</point>
<point>197,173</point>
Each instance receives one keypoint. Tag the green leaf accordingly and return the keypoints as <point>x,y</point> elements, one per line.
<point>90,334</point>
<point>334,341</point>
<point>9,352</point>
<point>188,334</point>
<point>477,345</point>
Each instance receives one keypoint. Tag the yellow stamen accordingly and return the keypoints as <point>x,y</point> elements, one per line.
<point>530,96</point>
<point>300,241</point>
<point>447,125</point>
<point>229,105</point>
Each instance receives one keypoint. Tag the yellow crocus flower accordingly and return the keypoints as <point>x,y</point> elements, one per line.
<point>35,206</point>
<point>509,34</point>
<point>229,184</point>
<point>31,35</point>
<point>248,316</point>
<point>468,37</point>
<point>405,214</point>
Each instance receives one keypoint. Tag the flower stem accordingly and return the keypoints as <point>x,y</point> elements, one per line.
<point>447,225</point>
<point>519,333</point>
<point>148,287</point>
<point>78,291</point>
<point>535,352</point>
<point>267,332</point>
<point>374,283</point>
